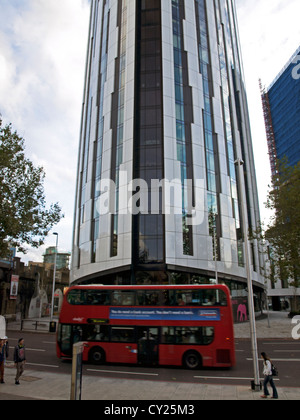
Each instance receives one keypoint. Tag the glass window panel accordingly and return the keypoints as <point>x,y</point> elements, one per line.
<point>148,298</point>
<point>212,203</point>
<point>123,298</point>
<point>180,112</point>
<point>180,132</point>
<point>96,332</point>
<point>123,334</point>
<point>168,335</point>
<point>181,152</point>
<point>210,160</point>
<point>188,335</point>
<point>211,180</point>
<point>209,141</point>
<point>151,249</point>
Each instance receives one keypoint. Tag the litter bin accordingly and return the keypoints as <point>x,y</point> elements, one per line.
<point>52,327</point>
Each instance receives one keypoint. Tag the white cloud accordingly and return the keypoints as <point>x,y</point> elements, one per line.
<point>270,34</point>
<point>42,62</point>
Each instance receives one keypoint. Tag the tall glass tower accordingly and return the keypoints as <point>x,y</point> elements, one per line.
<point>164,119</point>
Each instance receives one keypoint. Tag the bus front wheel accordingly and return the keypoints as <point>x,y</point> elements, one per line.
<point>97,356</point>
<point>192,360</point>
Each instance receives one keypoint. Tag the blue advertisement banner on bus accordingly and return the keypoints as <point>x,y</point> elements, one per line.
<point>159,314</point>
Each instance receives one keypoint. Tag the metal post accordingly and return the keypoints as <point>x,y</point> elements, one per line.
<point>266,285</point>
<point>216,249</point>
<point>54,276</point>
<point>76,380</point>
<point>257,384</point>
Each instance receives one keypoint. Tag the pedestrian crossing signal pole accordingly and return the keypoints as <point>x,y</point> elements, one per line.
<point>256,386</point>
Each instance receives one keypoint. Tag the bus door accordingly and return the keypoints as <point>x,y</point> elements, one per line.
<point>67,336</point>
<point>148,345</point>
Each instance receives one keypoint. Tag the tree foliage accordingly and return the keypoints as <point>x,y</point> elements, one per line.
<point>24,219</point>
<point>283,231</point>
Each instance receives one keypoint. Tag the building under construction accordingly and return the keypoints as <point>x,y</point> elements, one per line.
<point>269,128</point>
<point>281,107</point>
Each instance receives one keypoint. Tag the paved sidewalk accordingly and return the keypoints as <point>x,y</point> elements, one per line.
<point>49,386</point>
<point>280,327</point>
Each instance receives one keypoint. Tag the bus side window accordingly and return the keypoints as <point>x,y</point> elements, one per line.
<point>128,298</point>
<point>75,297</point>
<point>153,298</point>
<point>101,298</point>
<point>214,298</point>
<point>116,298</point>
<point>140,298</point>
<point>180,298</point>
<point>168,335</point>
<point>172,298</point>
<point>208,335</point>
<point>96,333</point>
<point>148,298</point>
<point>123,334</point>
<point>164,298</point>
<point>196,298</point>
<point>209,298</point>
<point>222,298</point>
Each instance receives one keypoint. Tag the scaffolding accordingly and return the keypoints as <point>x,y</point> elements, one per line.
<point>269,128</point>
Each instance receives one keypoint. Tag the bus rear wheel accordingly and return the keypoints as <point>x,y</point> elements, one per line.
<point>97,356</point>
<point>192,360</point>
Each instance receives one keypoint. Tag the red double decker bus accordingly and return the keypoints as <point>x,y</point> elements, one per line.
<point>164,325</point>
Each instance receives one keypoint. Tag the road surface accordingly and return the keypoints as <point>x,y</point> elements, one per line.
<point>285,354</point>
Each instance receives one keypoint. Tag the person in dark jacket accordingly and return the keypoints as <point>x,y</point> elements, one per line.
<point>19,359</point>
<point>6,345</point>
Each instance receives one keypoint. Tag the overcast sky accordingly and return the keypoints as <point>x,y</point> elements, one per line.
<point>42,61</point>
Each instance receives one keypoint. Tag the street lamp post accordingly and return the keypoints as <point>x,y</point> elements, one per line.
<point>216,248</point>
<point>239,163</point>
<point>54,276</point>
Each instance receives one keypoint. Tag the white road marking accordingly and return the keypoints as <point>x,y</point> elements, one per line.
<point>119,371</point>
<point>28,349</point>
<point>227,378</point>
<point>42,365</point>
<point>280,360</point>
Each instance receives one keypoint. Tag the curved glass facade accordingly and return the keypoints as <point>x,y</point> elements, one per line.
<point>164,119</point>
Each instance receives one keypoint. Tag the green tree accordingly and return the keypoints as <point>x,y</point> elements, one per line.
<point>283,231</point>
<point>24,219</point>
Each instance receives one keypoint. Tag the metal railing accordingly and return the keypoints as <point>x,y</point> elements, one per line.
<point>37,325</point>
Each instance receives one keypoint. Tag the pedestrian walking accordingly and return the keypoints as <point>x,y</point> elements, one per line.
<point>2,360</point>
<point>6,346</point>
<point>268,374</point>
<point>19,359</point>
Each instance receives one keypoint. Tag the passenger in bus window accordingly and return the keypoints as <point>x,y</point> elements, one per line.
<point>180,301</point>
<point>154,299</point>
<point>116,299</point>
<point>165,298</point>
